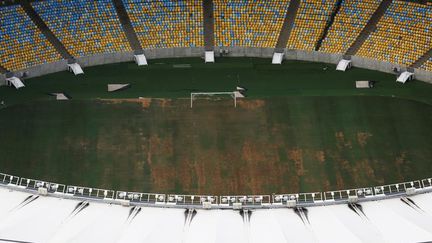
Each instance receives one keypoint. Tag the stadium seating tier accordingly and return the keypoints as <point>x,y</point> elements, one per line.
<point>85,27</point>
<point>349,22</point>
<point>167,23</point>
<point>22,44</point>
<point>403,34</point>
<point>312,17</point>
<point>249,23</point>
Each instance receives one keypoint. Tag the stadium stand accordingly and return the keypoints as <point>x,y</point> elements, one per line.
<point>249,23</point>
<point>312,17</point>
<point>85,27</point>
<point>22,45</point>
<point>167,23</point>
<point>402,36</point>
<point>350,21</point>
<point>427,65</point>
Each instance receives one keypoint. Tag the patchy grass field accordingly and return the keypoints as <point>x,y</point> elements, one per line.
<point>265,145</point>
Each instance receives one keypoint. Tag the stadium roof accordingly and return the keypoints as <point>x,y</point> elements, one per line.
<point>26,217</point>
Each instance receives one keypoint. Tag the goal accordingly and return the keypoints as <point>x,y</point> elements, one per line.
<point>210,94</point>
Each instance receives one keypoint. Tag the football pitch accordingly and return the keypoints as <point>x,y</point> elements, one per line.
<point>302,127</point>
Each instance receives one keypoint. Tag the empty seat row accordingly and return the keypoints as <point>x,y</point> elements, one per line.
<point>310,22</point>
<point>348,23</point>
<point>167,23</point>
<point>248,23</point>
<point>22,44</point>
<point>402,35</point>
<point>85,27</point>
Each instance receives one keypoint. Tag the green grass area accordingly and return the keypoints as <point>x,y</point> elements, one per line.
<point>162,79</point>
<point>301,128</point>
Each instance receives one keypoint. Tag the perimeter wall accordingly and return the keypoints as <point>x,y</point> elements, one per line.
<point>312,56</point>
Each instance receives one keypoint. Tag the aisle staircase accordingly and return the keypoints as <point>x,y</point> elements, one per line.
<point>287,26</point>
<point>3,70</point>
<point>329,24</point>
<point>369,28</point>
<point>422,59</point>
<point>208,25</point>
<point>127,27</point>
<point>37,20</point>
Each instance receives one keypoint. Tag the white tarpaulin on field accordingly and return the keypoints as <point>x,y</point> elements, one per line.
<point>75,68</point>
<point>277,58</point>
<point>405,76</point>
<point>140,59</point>
<point>16,82</point>
<point>343,65</point>
<point>209,56</point>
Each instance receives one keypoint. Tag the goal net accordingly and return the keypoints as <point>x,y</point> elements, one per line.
<point>195,95</point>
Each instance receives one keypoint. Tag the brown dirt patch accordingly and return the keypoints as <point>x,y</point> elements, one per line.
<point>296,155</point>
<point>251,152</point>
<point>362,138</point>
<point>363,173</point>
<point>320,156</point>
<point>339,180</point>
<point>163,177</point>
<point>401,159</point>
<point>342,141</point>
<point>250,104</point>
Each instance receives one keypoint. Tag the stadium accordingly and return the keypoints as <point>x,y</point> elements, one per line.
<point>215,121</point>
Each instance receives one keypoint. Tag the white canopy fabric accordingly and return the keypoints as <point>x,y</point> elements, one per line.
<point>405,76</point>
<point>50,219</point>
<point>277,58</point>
<point>76,68</point>
<point>16,82</point>
<point>140,59</point>
<point>209,56</point>
<point>343,65</point>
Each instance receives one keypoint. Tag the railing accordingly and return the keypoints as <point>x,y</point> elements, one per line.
<point>209,201</point>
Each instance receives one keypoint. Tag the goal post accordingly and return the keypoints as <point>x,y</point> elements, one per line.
<point>210,94</point>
